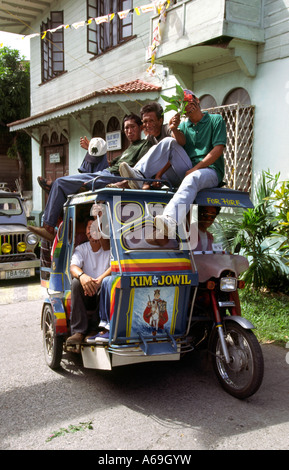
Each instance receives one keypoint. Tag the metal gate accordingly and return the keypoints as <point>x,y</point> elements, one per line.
<point>238,154</point>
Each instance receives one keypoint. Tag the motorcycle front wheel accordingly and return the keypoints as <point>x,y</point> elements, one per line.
<point>243,375</point>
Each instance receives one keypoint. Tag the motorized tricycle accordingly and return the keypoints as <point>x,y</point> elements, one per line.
<point>167,297</point>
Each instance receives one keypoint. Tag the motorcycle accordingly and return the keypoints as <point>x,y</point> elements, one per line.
<point>167,299</point>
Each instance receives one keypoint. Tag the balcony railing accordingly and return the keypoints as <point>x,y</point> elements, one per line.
<point>192,23</point>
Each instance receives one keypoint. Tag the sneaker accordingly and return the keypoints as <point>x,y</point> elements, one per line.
<point>127,172</point>
<point>99,338</point>
<point>166,225</point>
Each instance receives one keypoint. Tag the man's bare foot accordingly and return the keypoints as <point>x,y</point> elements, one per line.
<point>119,184</point>
<point>154,185</point>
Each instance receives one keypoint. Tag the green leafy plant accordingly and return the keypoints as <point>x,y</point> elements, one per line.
<point>252,234</point>
<point>178,102</point>
<point>280,199</point>
<point>72,428</point>
<point>15,105</point>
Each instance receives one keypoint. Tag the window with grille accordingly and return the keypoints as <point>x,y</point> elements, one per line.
<point>52,47</point>
<point>238,154</point>
<point>104,36</point>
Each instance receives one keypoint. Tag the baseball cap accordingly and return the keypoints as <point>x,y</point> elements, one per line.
<point>97,147</point>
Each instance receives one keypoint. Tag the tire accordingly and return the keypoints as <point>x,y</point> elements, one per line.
<point>243,376</point>
<point>52,344</point>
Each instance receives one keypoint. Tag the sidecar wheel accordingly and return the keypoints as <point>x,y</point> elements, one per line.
<point>53,344</point>
<point>243,376</point>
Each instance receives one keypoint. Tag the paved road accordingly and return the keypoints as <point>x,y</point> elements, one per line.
<point>19,290</point>
<point>159,407</point>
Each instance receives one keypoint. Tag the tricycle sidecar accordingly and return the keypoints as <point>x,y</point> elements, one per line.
<point>161,305</point>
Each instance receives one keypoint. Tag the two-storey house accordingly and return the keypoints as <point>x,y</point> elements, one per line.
<point>90,61</point>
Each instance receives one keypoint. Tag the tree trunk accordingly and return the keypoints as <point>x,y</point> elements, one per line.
<point>21,167</point>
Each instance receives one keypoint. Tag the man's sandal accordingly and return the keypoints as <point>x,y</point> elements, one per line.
<point>43,184</point>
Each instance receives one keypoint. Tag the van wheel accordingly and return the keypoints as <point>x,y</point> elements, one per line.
<point>53,344</point>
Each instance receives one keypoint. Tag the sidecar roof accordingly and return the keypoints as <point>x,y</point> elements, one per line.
<point>105,194</point>
<point>223,197</point>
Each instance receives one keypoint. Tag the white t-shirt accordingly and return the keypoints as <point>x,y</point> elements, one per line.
<point>92,263</point>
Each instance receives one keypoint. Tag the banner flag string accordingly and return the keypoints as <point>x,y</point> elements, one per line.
<point>157,6</point>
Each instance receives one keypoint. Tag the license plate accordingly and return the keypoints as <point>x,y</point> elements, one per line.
<point>17,273</point>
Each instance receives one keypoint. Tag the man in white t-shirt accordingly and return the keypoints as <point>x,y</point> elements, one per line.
<point>90,264</point>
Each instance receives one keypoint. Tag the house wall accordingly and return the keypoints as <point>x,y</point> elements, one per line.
<point>268,90</point>
<point>269,93</point>
<point>276,25</point>
<point>85,75</point>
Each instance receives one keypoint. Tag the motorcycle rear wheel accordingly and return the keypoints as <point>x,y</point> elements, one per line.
<point>243,376</point>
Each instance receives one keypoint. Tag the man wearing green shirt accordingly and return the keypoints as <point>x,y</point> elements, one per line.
<point>192,159</point>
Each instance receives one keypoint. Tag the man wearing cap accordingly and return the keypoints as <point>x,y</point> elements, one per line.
<point>192,159</point>
<point>90,164</point>
<point>66,185</point>
<point>95,158</point>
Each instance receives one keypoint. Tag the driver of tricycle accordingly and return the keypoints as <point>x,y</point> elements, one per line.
<point>201,239</point>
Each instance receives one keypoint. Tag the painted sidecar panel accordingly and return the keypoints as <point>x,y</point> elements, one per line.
<point>60,277</point>
<point>150,309</point>
<point>212,265</point>
<point>223,197</point>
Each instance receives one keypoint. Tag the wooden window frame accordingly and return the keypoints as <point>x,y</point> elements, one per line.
<point>107,36</point>
<point>52,47</point>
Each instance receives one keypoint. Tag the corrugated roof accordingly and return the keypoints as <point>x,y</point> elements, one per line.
<point>135,86</point>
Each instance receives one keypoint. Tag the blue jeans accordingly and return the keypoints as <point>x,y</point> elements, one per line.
<point>66,185</point>
<point>104,302</point>
<point>167,150</point>
<point>180,204</point>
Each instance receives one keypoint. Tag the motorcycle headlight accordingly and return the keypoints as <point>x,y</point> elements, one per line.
<point>31,239</point>
<point>228,284</point>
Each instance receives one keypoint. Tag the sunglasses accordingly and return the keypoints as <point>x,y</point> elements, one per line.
<point>208,215</point>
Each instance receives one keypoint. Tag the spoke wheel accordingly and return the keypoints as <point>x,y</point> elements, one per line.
<point>53,344</point>
<point>243,375</point>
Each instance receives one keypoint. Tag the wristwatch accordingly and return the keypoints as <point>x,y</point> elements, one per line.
<point>80,274</point>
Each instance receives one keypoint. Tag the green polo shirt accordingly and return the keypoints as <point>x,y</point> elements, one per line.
<point>202,137</point>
